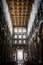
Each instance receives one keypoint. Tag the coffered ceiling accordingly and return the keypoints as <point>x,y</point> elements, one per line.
<point>20,12</point>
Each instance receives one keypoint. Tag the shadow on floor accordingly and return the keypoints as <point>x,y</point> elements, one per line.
<point>14,63</point>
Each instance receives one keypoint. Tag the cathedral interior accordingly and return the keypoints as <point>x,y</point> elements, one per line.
<point>21,32</point>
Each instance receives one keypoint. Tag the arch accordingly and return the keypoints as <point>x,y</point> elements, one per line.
<point>41,39</point>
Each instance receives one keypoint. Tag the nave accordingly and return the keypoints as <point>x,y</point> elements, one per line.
<point>21,32</point>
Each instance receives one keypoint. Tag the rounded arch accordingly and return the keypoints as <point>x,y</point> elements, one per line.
<point>41,39</point>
